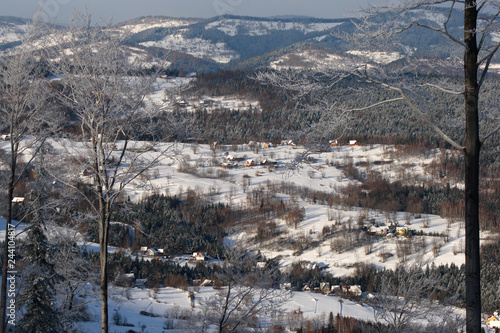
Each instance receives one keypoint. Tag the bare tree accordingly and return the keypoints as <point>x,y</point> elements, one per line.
<point>404,302</point>
<point>106,93</point>
<point>480,22</point>
<point>248,292</point>
<point>476,43</point>
<point>80,274</point>
<point>26,121</point>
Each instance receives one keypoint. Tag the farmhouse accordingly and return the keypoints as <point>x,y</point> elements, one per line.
<point>18,200</point>
<point>352,290</point>
<point>249,163</point>
<point>494,321</point>
<point>353,143</point>
<point>287,143</point>
<point>324,288</point>
<point>230,165</point>
<point>200,256</point>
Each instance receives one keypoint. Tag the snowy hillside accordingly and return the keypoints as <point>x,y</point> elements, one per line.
<point>147,23</point>
<point>232,40</point>
<point>237,27</point>
<point>10,32</point>
<point>198,47</point>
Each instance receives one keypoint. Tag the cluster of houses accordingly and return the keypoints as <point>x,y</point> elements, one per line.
<point>159,254</point>
<point>232,162</point>
<point>389,231</point>
<point>335,290</point>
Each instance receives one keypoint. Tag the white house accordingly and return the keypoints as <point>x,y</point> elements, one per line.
<point>19,200</point>
<point>199,256</point>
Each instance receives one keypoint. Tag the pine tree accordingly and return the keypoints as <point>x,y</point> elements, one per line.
<point>36,299</point>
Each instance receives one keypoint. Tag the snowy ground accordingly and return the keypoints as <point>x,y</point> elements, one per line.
<point>216,184</point>
<point>230,188</point>
<point>173,302</point>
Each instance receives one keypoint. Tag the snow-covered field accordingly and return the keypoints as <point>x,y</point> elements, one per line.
<point>172,303</point>
<point>319,174</point>
<point>217,184</point>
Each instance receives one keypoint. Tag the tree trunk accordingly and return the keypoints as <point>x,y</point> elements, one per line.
<point>471,154</point>
<point>103,259</point>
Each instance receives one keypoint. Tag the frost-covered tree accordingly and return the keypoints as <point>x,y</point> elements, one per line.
<point>404,302</point>
<point>26,120</point>
<point>248,292</point>
<point>106,93</point>
<point>473,47</point>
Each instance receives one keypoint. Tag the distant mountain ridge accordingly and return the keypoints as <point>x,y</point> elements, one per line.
<point>244,42</point>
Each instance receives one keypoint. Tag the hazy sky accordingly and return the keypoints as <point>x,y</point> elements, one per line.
<point>119,10</point>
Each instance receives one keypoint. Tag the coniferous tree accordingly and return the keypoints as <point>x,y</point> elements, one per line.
<point>36,299</point>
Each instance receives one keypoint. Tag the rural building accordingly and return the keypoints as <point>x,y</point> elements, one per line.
<point>494,321</point>
<point>200,256</point>
<point>352,290</point>
<point>18,200</point>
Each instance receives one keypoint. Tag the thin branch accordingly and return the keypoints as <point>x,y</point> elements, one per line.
<point>417,111</point>
<point>371,106</point>
<point>489,135</point>
<point>442,89</point>
<point>487,59</point>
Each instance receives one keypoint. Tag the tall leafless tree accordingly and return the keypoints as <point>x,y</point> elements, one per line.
<point>26,121</point>
<point>404,302</point>
<point>106,92</point>
<point>477,43</point>
<point>478,47</point>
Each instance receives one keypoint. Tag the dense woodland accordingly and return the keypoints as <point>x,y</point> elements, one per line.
<point>282,115</point>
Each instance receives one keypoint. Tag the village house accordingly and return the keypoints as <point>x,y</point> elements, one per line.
<point>229,165</point>
<point>352,290</point>
<point>249,163</point>
<point>333,143</point>
<point>287,143</point>
<point>353,143</point>
<point>200,256</point>
<point>324,288</point>
<point>494,321</point>
<point>18,200</point>
<point>267,162</point>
